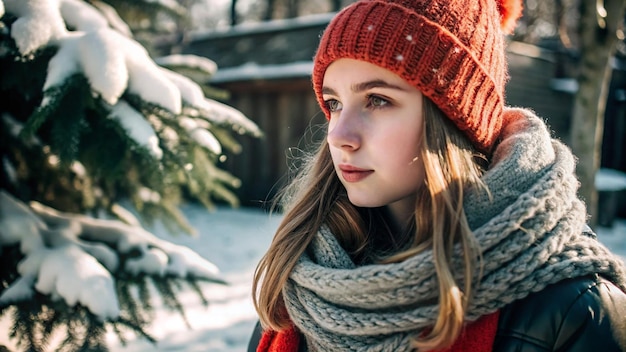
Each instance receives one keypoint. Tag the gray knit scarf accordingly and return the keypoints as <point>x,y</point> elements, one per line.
<point>530,234</point>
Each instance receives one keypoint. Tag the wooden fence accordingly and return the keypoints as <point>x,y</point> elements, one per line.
<point>288,115</point>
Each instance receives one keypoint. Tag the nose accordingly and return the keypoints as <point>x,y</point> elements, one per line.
<point>344,130</point>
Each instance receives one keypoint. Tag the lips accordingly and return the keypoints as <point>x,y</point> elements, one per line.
<point>353,174</point>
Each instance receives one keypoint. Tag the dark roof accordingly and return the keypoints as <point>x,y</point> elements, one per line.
<point>268,43</point>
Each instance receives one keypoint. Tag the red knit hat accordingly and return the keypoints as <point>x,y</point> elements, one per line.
<point>451,50</point>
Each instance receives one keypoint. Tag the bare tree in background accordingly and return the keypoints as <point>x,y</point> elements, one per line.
<point>293,10</point>
<point>233,12</point>
<point>269,10</point>
<point>590,29</point>
<point>336,5</point>
<point>600,27</point>
<point>281,9</point>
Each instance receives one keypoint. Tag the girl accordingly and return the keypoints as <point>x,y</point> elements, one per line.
<point>433,217</point>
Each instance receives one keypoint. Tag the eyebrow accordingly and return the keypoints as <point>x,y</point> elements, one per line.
<point>363,86</point>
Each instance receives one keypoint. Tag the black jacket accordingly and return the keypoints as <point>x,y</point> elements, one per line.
<point>576,315</point>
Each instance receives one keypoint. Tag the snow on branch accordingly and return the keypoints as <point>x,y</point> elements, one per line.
<point>82,17</point>
<point>113,63</point>
<point>217,112</point>
<point>38,24</point>
<point>137,127</point>
<point>211,110</point>
<point>195,62</point>
<point>115,21</point>
<point>74,257</point>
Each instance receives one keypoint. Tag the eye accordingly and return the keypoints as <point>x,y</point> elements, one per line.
<point>376,101</point>
<point>333,105</point>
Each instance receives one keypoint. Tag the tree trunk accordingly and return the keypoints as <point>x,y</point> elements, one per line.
<point>336,5</point>
<point>269,10</point>
<point>293,8</point>
<point>598,35</point>
<point>233,12</point>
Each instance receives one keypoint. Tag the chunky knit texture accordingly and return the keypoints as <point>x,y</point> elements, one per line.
<point>451,50</point>
<point>530,233</point>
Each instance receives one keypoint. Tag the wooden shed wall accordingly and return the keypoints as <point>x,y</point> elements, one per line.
<point>288,115</point>
<point>532,71</point>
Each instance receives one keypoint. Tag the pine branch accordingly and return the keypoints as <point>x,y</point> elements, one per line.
<point>9,256</point>
<point>145,297</point>
<point>129,305</point>
<point>24,328</point>
<point>57,101</point>
<point>83,330</point>
<point>172,218</point>
<point>115,327</point>
<point>27,74</point>
<point>167,290</point>
<point>52,321</point>
<point>127,252</point>
<point>138,330</point>
<point>196,288</point>
<point>94,340</point>
<point>225,137</point>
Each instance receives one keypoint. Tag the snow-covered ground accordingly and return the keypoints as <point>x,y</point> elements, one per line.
<point>615,237</point>
<point>235,239</point>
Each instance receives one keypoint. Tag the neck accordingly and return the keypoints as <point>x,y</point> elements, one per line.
<point>401,213</point>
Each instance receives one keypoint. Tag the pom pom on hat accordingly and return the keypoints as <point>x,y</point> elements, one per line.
<point>510,12</point>
<point>453,51</point>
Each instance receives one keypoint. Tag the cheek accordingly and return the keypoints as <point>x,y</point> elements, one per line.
<point>407,159</point>
<point>402,146</point>
<point>410,169</point>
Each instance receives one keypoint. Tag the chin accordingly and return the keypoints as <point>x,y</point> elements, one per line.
<point>363,203</point>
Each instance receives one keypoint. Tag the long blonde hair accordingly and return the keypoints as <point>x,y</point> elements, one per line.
<point>316,196</point>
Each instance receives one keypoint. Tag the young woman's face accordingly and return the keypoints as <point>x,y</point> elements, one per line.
<point>374,134</point>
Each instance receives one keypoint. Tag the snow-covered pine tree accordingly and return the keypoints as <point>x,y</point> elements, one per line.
<point>88,122</point>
